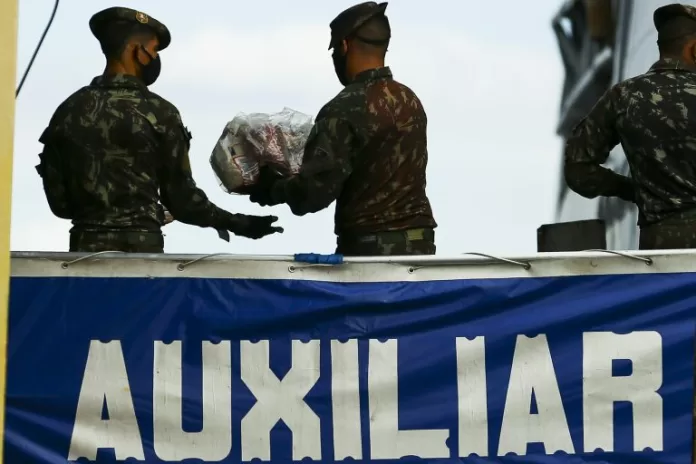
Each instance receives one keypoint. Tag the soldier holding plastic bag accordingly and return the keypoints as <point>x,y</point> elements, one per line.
<point>367,150</point>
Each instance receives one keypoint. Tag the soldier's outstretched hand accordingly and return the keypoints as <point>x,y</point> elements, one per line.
<point>254,227</point>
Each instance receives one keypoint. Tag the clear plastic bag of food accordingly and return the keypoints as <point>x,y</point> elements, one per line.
<point>251,141</point>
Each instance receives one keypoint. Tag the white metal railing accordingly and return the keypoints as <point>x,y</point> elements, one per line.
<point>473,265</point>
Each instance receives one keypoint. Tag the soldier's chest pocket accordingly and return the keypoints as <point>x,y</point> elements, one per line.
<point>147,132</point>
<point>164,135</point>
<point>156,138</point>
<point>146,139</point>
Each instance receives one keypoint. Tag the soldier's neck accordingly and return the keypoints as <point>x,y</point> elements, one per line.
<point>116,67</point>
<point>366,65</point>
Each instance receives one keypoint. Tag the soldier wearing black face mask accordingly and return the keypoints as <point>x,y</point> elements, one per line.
<point>367,151</point>
<point>115,152</point>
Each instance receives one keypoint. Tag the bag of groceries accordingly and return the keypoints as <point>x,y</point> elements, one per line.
<point>251,141</point>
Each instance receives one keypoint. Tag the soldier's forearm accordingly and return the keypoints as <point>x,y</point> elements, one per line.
<point>303,195</point>
<point>591,181</point>
<point>195,210</point>
<point>201,217</point>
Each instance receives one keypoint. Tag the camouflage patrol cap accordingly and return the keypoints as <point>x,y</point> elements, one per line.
<point>351,19</point>
<point>674,20</point>
<point>99,22</point>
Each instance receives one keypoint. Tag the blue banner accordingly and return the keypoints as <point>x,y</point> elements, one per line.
<point>220,370</point>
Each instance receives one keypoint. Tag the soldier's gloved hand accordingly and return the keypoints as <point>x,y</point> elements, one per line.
<point>253,227</point>
<point>262,198</point>
<point>261,192</point>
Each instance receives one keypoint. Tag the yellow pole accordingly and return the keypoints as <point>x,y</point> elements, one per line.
<point>8,80</point>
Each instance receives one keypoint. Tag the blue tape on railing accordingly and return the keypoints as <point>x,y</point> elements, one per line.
<point>313,258</point>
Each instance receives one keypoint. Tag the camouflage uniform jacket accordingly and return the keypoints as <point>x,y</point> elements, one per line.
<point>653,116</point>
<point>368,151</point>
<point>112,151</point>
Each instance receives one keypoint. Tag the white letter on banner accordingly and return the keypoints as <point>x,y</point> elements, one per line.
<point>278,400</point>
<point>105,383</point>
<point>386,440</point>
<point>473,402</point>
<point>214,441</point>
<point>345,400</point>
<point>601,390</point>
<point>533,372</point>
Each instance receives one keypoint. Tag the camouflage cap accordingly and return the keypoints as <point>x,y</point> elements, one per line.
<point>351,19</point>
<point>99,22</point>
<point>665,16</point>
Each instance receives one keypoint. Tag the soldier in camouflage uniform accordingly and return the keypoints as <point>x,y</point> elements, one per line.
<point>113,150</point>
<point>367,150</point>
<point>653,116</point>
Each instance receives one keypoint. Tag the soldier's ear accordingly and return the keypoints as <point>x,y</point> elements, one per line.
<point>130,52</point>
<point>344,47</point>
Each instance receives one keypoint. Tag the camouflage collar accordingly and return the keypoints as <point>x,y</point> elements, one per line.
<point>373,74</point>
<point>124,81</point>
<point>672,64</point>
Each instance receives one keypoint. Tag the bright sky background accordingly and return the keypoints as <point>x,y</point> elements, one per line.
<point>489,75</point>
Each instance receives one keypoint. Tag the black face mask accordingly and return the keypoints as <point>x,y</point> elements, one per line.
<point>151,71</point>
<point>340,62</point>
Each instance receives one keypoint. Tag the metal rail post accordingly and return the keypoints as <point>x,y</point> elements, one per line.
<point>8,70</point>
